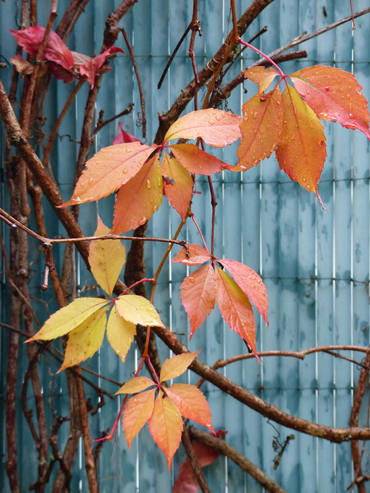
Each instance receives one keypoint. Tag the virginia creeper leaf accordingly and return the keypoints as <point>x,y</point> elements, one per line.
<point>175,366</point>
<point>106,258</point>
<point>198,295</point>
<point>139,198</point>
<point>261,129</point>
<point>85,340</point>
<point>123,137</point>
<point>21,65</point>
<point>120,333</point>
<point>217,128</point>
<point>135,385</point>
<point>197,161</point>
<point>334,95</point>
<point>261,76</point>
<point>108,170</point>
<point>166,426</point>
<point>92,66</point>
<point>138,310</point>
<point>186,481</point>
<point>249,282</point>
<point>302,151</point>
<point>191,403</point>
<point>235,308</point>
<point>192,255</point>
<point>178,187</point>
<point>137,412</point>
<point>68,318</point>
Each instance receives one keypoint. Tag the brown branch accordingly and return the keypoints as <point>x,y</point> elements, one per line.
<point>224,448</point>
<point>265,409</point>
<point>197,470</point>
<point>139,84</point>
<point>70,17</point>
<point>101,123</point>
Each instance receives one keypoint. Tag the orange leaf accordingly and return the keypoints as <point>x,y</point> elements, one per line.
<point>261,129</point>
<point>334,95</point>
<point>138,199</point>
<point>302,151</point>
<point>175,366</point>
<point>235,308</point>
<point>179,186</point>
<point>197,161</point>
<point>85,340</point>
<point>250,282</point>
<point>137,412</point>
<point>135,385</point>
<point>106,258</point>
<point>198,294</point>
<point>191,403</point>
<point>120,333</point>
<point>261,76</point>
<point>166,426</point>
<point>217,128</point>
<point>192,255</point>
<point>108,170</point>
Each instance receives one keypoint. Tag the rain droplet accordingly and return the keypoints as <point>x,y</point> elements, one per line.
<point>124,171</point>
<point>212,121</point>
<point>191,279</point>
<point>148,184</point>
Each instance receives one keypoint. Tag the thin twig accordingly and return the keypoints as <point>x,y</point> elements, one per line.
<point>102,123</point>
<point>197,470</point>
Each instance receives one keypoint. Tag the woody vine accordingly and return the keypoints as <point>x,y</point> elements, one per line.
<point>283,117</point>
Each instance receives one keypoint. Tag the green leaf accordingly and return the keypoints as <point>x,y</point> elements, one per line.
<point>138,310</point>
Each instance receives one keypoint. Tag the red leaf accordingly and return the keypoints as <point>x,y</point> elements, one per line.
<point>91,67</point>
<point>197,161</point>
<point>334,95</point>
<point>123,137</point>
<point>186,482</point>
<point>192,255</point>
<point>138,199</point>
<point>261,129</point>
<point>137,412</point>
<point>217,128</point>
<point>261,76</point>
<point>250,282</point>
<point>191,403</point>
<point>108,170</point>
<point>302,151</point>
<point>55,51</point>
<point>178,187</point>
<point>166,426</point>
<point>235,308</point>
<point>198,294</point>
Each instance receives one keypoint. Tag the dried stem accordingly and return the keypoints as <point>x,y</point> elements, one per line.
<point>197,470</point>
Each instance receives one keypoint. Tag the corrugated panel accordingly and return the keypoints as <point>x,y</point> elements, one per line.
<point>315,263</point>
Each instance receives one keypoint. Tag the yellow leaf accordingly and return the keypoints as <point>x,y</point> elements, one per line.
<point>138,310</point>
<point>135,385</point>
<point>120,333</point>
<point>85,340</point>
<point>106,258</point>
<point>137,412</point>
<point>175,366</point>
<point>68,318</point>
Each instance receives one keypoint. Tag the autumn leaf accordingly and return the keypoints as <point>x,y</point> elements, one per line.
<point>217,128</point>
<point>197,161</point>
<point>235,308</point>
<point>137,310</point>
<point>93,65</point>
<point>261,76</point>
<point>333,94</point>
<point>186,481</point>
<point>191,403</point>
<point>192,255</point>
<point>198,294</point>
<point>177,185</point>
<point>250,282</point>
<point>124,137</point>
<point>175,366</point>
<point>68,318</point>
<point>165,426</point>
<point>85,340</point>
<point>108,170</point>
<point>301,152</point>
<point>135,385</point>
<point>106,258</point>
<point>139,198</point>
<point>21,65</point>
<point>261,129</point>
<point>137,412</point>
<point>120,333</point>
